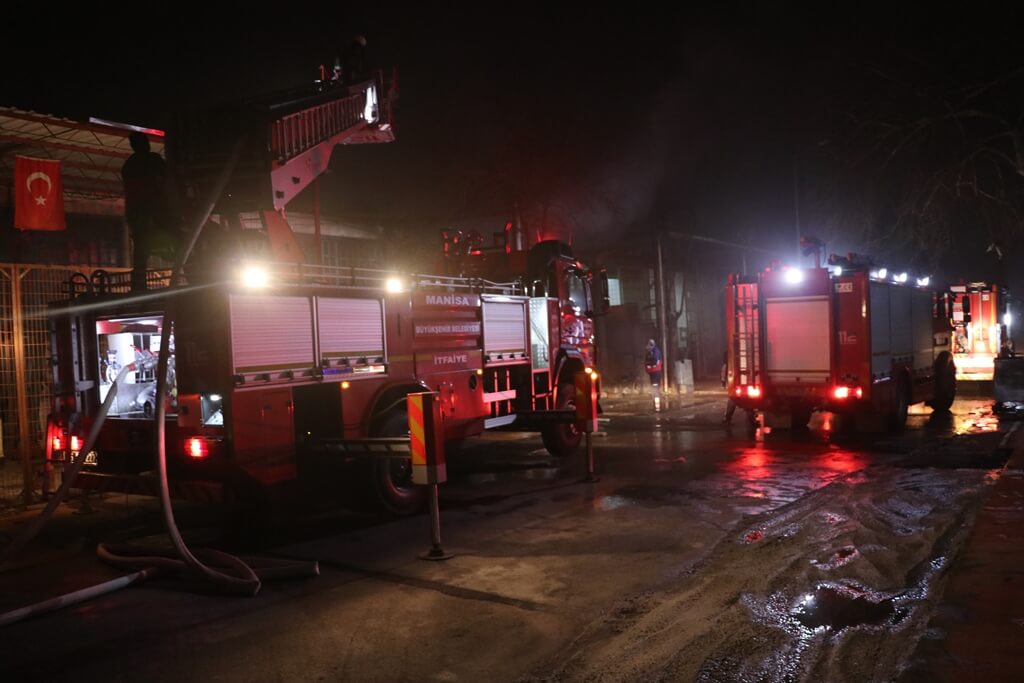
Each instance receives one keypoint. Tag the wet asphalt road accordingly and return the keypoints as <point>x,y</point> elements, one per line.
<point>701,554</point>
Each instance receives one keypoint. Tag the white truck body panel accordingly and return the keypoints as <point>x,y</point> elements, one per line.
<point>505,328</point>
<point>798,340</point>
<point>350,327</point>
<point>270,333</point>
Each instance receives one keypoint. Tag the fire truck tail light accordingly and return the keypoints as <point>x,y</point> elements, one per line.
<point>58,443</point>
<point>753,392</point>
<point>76,443</point>
<point>197,448</point>
<point>841,393</point>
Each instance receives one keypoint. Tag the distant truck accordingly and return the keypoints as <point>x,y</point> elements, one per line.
<point>847,338</point>
<point>979,318</point>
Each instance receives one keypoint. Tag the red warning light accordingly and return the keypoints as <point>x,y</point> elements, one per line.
<point>197,448</point>
<point>841,393</point>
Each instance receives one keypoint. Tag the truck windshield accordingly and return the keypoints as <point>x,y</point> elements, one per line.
<point>133,341</point>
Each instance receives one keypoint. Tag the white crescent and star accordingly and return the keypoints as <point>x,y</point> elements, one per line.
<point>39,175</point>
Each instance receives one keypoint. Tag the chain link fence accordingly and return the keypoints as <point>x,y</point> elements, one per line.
<point>26,373</point>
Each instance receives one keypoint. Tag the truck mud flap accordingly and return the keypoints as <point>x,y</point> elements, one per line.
<point>1009,386</point>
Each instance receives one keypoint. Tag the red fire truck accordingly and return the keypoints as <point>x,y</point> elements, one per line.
<point>276,366</point>
<point>979,318</point>
<point>849,339</point>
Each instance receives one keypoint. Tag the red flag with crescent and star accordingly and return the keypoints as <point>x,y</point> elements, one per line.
<point>38,194</point>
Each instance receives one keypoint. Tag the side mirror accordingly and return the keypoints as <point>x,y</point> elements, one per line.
<point>602,301</point>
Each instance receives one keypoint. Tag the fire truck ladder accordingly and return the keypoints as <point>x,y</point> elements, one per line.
<point>304,131</point>
<point>289,137</point>
<point>748,336</point>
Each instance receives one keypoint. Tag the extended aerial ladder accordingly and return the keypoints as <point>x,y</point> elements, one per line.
<point>258,154</point>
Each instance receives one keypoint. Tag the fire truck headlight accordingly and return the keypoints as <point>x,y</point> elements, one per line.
<point>255,277</point>
<point>794,276</point>
<point>1007,319</point>
<point>902,277</point>
<point>394,285</point>
<point>923,281</point>
<point>881,273</point>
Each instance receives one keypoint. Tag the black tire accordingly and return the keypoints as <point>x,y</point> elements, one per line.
<point>898,417</point>
<point>391,478</point>
<point>945,383</point>
<point>562,440</point>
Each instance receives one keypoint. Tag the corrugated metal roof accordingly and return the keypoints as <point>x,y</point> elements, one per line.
<point>91,153</point>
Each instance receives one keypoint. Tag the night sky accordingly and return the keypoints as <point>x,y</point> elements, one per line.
<point>600,123</point>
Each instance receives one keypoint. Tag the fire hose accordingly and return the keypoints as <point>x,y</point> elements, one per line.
<point>232,574</point>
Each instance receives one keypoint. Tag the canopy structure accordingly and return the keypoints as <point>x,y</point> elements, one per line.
<point>91,154</point>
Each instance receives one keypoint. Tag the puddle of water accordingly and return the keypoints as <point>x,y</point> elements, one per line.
<point>835,609</point>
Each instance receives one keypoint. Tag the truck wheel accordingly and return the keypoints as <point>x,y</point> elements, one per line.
<point>561,440</point>
<point>945,383</point>
<point>391,478</point>
<point>898,417</point>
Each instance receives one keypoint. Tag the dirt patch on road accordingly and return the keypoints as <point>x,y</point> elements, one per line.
<point>836,586</point>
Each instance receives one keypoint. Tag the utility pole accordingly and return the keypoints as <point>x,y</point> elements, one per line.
<point>659,282</point>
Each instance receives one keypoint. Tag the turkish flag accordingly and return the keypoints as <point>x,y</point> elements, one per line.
<point>38,194</point>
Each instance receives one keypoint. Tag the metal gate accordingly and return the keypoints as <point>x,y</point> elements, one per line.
<point>26,373</point>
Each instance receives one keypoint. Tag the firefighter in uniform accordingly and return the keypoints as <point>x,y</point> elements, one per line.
<point>653,366</point>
